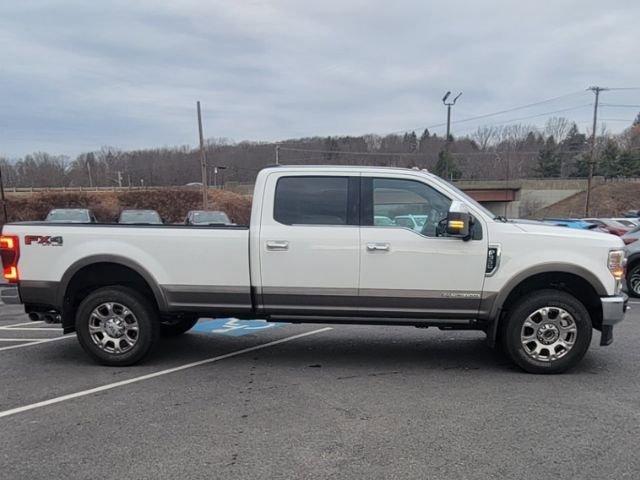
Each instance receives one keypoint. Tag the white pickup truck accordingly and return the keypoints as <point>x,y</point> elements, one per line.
<point>323,247</point>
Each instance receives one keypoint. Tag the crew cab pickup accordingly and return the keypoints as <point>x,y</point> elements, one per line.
<point>313,253</point>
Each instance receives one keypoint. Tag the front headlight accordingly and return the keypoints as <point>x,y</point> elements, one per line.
<point>616,264</point>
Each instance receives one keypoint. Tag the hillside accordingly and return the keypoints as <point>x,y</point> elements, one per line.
<point>607,200</point>
<point>171,203</point>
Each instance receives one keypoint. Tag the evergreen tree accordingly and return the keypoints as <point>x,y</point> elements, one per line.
<point>609,162</point>
<point>446,166</point>
<point>581,166</point>
<point>423,144</point>
<point>629,164</point>
<point>410,141</point>
<point>549,162</point>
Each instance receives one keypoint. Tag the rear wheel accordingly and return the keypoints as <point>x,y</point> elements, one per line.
<point>116,326</point>
<point>633,281</point>
<point>175,327</point>
<point>547,332</point>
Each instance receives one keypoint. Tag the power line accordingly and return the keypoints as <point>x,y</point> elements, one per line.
<point>499,112</point>
<point>407,154</point>
<point>535,116</point>
<point>619,105</point>
<point>617,120</point>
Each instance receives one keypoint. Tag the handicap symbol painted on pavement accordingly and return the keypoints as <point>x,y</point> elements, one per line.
<point>235,327</point>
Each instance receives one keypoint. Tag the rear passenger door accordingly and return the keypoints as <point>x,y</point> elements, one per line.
<point>309,244</point>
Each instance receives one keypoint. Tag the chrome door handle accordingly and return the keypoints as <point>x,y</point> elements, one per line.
<point>277,245</point>
<point>372,247</point>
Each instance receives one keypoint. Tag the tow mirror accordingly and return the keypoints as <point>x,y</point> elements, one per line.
<point>458,220</point>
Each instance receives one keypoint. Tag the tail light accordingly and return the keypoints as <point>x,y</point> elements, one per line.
<point>10,252</point>
<point>628,240</point>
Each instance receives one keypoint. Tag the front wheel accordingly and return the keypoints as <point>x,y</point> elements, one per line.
<point>116,326</point>
<point>547,332</point>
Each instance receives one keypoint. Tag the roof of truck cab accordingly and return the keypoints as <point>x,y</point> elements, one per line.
<point>355,168</point>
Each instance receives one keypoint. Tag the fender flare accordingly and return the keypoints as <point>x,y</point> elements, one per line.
<point>518,278</point>
<point>116,259</point>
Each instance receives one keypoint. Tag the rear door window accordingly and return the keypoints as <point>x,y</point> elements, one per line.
<point>312,201</point>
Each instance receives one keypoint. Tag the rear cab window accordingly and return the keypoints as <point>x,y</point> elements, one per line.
<point>316,200</point>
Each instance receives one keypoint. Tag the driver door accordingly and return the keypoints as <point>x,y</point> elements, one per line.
<point>406,269</point>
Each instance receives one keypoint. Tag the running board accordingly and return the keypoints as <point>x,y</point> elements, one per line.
<point>462,324</point>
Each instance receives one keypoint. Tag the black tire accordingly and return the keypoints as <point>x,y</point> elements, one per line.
<point>634,271</point>
<point>512,329</point>
<point>175,327</point>
<point>143,313</point>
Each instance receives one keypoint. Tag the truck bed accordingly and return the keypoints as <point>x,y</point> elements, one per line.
<point>193,268</point>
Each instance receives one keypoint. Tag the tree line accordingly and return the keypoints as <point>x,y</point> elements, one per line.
<point>490,152</point>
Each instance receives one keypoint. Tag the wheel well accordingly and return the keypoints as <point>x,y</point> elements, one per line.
<point>568,282</point>
<point>97,275</point>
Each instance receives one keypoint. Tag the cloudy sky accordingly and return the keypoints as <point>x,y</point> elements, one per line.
<point>76,75</point>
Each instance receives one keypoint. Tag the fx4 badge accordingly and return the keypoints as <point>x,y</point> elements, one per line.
<point>45,240</point>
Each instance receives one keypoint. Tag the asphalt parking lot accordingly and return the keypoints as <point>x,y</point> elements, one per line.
<point>235,400</point>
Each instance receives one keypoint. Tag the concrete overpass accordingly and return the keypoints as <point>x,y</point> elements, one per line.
<point>521,198</point>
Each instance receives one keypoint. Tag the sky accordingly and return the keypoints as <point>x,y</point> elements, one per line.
<point>77,75</point>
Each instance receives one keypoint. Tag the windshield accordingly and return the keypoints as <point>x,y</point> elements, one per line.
<point>199,218</point>
<point>68,216</point>
<point>140,216</point>
<point>473,202</point>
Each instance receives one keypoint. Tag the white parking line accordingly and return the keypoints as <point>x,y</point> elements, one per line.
<point>34,329</point>
<point>110,386</point>
<point>21,324</point>
<point>21,339</point>
<point>35,342</point>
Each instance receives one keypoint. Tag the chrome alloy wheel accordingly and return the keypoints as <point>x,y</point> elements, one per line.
<point>548,334</point>
<point>113,327</point>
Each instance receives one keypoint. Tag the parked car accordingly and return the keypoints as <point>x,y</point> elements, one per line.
<point>207,217</point>
<point>571,223</point>
<point>312,254</point>
<point>414,222</point>
<point>140,217</point>
<point>632,250</point>
<point>628,222</point>
<point>610,225</point>
<point>382,221</point>
<point>631,236</point>
<point>71,215</point>
<point>632,213</point>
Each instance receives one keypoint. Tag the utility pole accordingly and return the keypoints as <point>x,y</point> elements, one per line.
<point>592,155</point>
<point>447,144</point>
<point>277,154</point>
<point>119,178</point>
<point>89,170</point>
<point>203,160</point>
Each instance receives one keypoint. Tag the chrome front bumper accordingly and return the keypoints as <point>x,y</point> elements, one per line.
<point>613,309</point>
<point>10,295</point>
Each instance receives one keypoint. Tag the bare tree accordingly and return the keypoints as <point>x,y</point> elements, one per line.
<point>485,136</point>
<point>557,127</point>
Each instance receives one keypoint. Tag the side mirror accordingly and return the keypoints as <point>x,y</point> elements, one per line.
<point>458,220</point>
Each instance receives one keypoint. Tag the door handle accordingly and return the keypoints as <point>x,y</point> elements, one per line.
<point>277,245</point>
<point>372,247</point>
